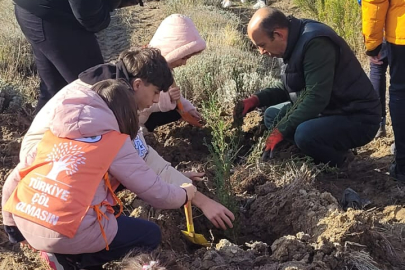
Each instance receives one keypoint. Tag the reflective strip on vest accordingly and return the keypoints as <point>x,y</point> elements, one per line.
<point>56,191</point>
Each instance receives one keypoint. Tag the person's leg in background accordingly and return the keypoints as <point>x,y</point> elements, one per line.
<point>396,62</point>
<point>379,80</point>
<point>273,114</point>
<point>72,50</point>
<point>328,139</point>
<point>157,119</point>
<point>50,78</point>
<point>61,52</point>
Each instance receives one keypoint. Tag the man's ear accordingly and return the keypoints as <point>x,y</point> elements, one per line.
<point>280,34</point>
<point>136,84</point>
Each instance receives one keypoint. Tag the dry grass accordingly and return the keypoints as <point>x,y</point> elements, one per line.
<point>17,67</point>
<point>220,30</point>
<point>16,58</point>
<point>361,260</point>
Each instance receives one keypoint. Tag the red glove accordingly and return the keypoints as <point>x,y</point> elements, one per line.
<point>249,104</point>
<point>271,142</point>
<point>245,106</point>
<point>274,138</point>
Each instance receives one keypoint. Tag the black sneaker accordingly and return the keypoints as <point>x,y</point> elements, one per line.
<point>347,160</point>
<point>394,172</point>
<point>351,199</point>
<point>58,261</point>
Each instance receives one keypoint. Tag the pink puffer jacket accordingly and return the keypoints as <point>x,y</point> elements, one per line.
<point>176,37</point>
<point>76,112</point>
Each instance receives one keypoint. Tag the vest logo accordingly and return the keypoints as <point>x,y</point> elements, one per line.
<point>57,189</point>
<point>89,139</point>
<point>64,157</point>
<point>140,147</point>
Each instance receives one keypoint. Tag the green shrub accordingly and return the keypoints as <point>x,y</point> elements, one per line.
<point>223,149</point>
<point>344,16</point>
<point>229,72</point>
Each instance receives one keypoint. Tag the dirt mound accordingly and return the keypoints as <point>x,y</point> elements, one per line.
<point>181,143</point>
<point>287,206</point>
<point>324,233</point>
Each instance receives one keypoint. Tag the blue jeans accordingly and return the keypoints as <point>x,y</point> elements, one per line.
<point>61,52</point>
<point>275,113</point>
<point>133,233</point>
<point>378,77</point>
<point>327,139</point>
<point>396,61</point>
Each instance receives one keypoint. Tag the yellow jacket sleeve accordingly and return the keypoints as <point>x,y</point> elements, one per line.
<point>374,14</point>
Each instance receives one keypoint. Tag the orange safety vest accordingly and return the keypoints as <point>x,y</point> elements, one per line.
<point>56,191</point>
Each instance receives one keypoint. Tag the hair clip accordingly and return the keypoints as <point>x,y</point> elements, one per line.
<point>149,266</point>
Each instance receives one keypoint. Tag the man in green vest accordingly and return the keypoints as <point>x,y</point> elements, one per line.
<point>325,98</point>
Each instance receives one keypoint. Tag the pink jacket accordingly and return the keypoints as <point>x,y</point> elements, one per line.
<point>176,37</point>
<point>76,112</point>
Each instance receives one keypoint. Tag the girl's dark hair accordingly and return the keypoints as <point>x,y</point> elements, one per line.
<point>120,98</point>
<point>149,65</point>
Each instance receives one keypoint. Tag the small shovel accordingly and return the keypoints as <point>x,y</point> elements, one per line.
<point>195,238</point>
<point>187,116</point>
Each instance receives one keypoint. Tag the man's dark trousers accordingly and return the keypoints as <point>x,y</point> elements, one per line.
<point>327,139</point>
<point>61,51</point>
<point>396,62</point>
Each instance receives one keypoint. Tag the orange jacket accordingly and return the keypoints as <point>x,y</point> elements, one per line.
<point>380,16</point>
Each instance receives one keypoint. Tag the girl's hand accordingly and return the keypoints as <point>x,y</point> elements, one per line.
<point>195,176</point>
<point>194,113</point>
<point>174,93</point>
<point>190,190</point>
<point>218,214</point>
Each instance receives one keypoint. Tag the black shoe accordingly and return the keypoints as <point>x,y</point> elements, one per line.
<point>350,199</point>
<point>58,261</point>
<point>381,132</point>
<point>347,160</point>
<point>395,173</point>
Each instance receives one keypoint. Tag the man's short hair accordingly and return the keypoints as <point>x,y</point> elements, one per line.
<point>275,19</point>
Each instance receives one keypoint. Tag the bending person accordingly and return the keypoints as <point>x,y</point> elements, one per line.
<point>59,197</point>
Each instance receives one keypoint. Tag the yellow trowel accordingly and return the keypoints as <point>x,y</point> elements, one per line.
<point>195,238</point>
